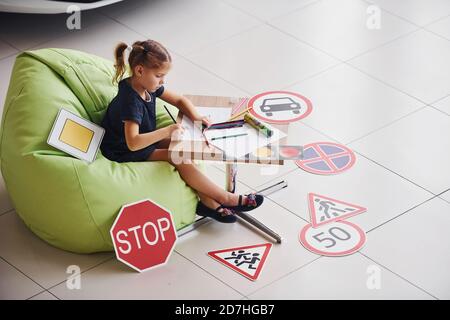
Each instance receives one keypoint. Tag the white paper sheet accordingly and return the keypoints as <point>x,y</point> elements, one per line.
<point>216,114</point>
<point>238,147</point>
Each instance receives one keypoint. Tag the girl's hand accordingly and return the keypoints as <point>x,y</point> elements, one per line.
<point>174,130</point>
<point>206,121</point>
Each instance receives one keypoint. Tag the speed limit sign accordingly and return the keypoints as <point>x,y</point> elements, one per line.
<point>333,239</point>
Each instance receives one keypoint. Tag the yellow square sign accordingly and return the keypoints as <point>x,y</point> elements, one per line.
<point>76,135</point>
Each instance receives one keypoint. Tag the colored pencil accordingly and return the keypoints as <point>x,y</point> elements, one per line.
<point>231,136</point>
<point>170,114</point>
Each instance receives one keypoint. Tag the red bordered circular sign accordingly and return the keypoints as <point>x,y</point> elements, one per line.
<point>326,158</point>
<point>333,239</point>
<point>280,106</point>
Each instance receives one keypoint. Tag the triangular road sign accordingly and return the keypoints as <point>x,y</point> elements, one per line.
<point>248,261</point>
<point>324,209</point>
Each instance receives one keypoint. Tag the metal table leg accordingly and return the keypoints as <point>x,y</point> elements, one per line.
<point>231,172</point>
<point>231,185</point>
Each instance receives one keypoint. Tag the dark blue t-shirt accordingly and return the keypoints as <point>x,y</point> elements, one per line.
<point>128,105</point>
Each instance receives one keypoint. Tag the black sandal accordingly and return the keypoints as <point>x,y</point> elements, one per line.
<point>253,201</point>
<point>226,216</point>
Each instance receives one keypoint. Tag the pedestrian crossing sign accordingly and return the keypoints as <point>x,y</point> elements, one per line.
<point>324,209</point>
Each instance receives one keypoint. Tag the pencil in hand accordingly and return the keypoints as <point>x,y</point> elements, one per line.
<point>173,119</point>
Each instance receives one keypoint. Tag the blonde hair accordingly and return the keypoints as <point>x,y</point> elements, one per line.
<point>149,53</point>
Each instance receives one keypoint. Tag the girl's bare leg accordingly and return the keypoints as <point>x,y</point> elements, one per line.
<point>207,201</point>
<point>197,180</point>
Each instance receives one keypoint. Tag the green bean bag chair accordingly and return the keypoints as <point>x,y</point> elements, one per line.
<point>67,202</point>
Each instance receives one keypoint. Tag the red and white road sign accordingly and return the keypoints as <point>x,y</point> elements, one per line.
<point>333,239</point>
<point>143,235</point>
<point>247,261</point>
<point>326,158</point>
<point>279,106</point>
<point>324,209</point>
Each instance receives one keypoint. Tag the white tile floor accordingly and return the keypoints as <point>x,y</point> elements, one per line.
<point>384,93</point>
<point>441,27</point>
<point>443,105</point>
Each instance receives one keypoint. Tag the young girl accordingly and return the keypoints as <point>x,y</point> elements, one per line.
<point>130,127</point>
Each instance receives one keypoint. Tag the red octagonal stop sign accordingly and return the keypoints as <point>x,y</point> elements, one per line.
<point>143,235</point>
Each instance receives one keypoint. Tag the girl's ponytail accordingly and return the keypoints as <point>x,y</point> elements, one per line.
<point>120,61</point>
<point>149,53</point>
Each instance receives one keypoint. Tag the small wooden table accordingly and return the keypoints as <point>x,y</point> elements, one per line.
<point>199,150</point>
